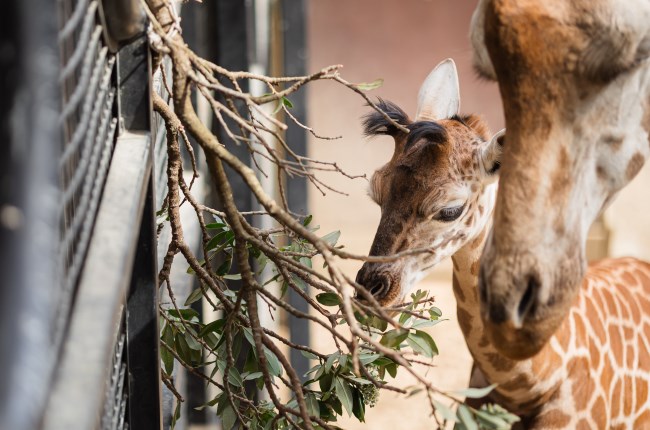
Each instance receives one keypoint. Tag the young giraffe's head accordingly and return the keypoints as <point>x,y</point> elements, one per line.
<point>437,190</point>
<point>574,77</point>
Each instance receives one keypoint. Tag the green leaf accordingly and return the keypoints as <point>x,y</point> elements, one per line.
<point>234,377</point>
<point>367,358</point>
<point>496,412</point>
<point>343,360</point>
<point>435,312</point>
<point>378,323</point>
<point>219,239</point>
<point>330,361</point>
<point>367,86</point>
<point>273,363</point>
<point>444,411</point>
<point>426,323</point>
<point>331,238</point>
<point>465,416</point>
<point>312,405</point>
<point>216,226</point>
<point>360,381</point>
<point>404,317</point>
<point>359,408</point>
<point>177,415</point>
<point>187,313</point>
<point>191,342</point>
<point>394,338</point>
<point>300,283</point>
<point>182,349</point>
<point>490,421</point>
<point>209,404</point>
<point>212,327</point>
<point>344,394</point>
<point>228,417</point>
<point>308,355</point>
<point>167,360</point>
<point>307,220</point>
<point>253,375</point>
<point>476,393</point>
<point>421,342</point>
<point>328,299</point>
<point>287,103</point>
<point>305,261</point>
<point>392,369</point>
<point>325,383</point>
<point>224,268</point>
<point>165,355</point>
<point>195,296</point>
<point>233,276</point>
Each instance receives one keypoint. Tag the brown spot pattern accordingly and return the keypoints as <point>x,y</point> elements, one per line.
<point>634,165</point>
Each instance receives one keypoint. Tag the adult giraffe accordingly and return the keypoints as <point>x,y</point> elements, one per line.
<point>438,192</point>
<point>574,78</point>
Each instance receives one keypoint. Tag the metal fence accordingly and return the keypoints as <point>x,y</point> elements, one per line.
<point>82,172</point>
<point>79,283</point>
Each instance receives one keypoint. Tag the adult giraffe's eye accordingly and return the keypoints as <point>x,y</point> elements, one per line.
<point>449,214</point>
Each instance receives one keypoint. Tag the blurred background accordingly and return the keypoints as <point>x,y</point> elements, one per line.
<point>82,175</point>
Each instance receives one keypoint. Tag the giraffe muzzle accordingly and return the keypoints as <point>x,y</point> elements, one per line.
<point>379,282</point>
<point>521,313</point>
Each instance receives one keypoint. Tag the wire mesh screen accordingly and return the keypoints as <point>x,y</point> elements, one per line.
<point>89,126</point>
<point>89,121</point>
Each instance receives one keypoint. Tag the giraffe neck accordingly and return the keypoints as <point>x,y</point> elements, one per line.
<point>522,384</point>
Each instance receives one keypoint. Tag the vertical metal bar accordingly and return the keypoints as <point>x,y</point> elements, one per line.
<point>229,49</point>
<point>142,327</point>
<point>134,102</point>
<point>295,58</point>
<point>143,356</point>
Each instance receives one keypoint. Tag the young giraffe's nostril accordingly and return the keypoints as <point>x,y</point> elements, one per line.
<point>379,286</point>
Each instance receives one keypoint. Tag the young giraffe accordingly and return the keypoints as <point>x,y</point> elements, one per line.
<point>438,192</point>
<point>574,78</point>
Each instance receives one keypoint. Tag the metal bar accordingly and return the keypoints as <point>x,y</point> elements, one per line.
<point>295,57</point>
<point>122,20</point>
<point>143,357</point>
<point>142,327</point>
<point>94,325</point>
<point>134,71</point>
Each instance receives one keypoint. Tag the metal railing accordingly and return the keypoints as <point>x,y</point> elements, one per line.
<point>79,286</point>
<point>82,172</point>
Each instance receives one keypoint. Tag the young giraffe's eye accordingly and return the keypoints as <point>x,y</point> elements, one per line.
<point>449,214</point>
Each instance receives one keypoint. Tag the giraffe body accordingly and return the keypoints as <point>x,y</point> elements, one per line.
<point>438,192</point>
<point>593,373</point>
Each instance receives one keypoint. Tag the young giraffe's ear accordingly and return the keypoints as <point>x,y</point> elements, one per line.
<point>439,96</point>
<point>491,155</point>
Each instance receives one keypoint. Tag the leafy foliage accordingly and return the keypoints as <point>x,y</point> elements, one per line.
<point>235,352</point>
<point>333,387</point>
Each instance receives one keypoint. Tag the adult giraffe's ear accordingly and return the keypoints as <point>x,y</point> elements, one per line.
<point>439,96</point>
<point>490,157</point>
